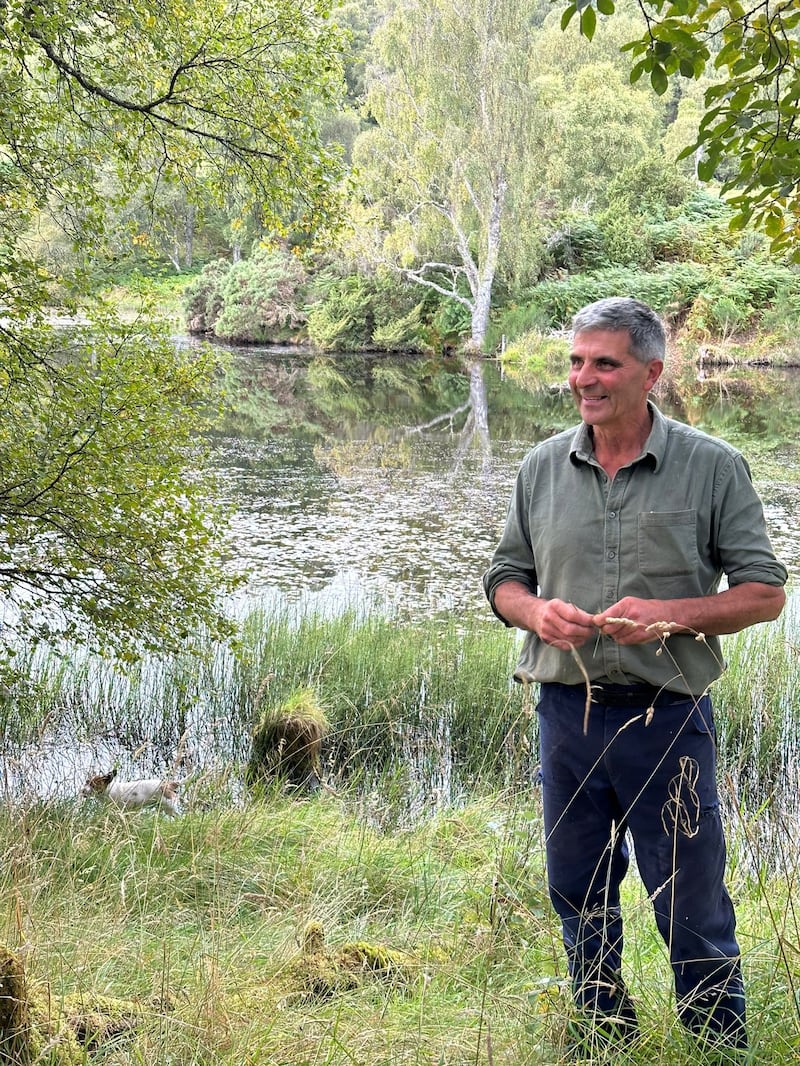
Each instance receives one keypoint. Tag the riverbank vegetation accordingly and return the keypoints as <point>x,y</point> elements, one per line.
<point>398,915</point>
<point>427,706</point>
<point>500,173</point>
<point>505,173</point>
<point>725,307</point>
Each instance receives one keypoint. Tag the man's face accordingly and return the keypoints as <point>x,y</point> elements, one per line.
<point>608,384</point>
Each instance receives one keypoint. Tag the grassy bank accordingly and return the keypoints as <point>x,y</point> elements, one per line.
<point>422,862</point>
<point>454,956</point>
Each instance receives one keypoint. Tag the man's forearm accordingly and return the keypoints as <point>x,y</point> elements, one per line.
<point>555,621</point>
<point>633,620</point>
<point>517,605</point>
<point>728,611</point>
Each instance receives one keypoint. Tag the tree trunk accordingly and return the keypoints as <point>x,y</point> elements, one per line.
<point>188,235</point>
<point>483,293</point>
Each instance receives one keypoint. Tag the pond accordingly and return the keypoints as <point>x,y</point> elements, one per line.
<point>378,490</point>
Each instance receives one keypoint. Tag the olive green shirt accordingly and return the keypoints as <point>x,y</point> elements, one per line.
<point>669,525</point>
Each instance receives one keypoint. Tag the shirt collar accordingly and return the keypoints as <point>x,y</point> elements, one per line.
<point>582,448</point>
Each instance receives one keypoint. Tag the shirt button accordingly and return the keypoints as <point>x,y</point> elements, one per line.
<point>612,514</point>
<point>612,555</point>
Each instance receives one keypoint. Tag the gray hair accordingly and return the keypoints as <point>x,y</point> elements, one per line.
<point>619,314</point>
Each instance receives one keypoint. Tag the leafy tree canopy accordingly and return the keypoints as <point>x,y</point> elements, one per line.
<point>105,535</point>
<point>203,93</point>
<point>750,119</point>
<point>104,539</point>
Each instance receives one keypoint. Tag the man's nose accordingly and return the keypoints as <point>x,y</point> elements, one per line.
<point>584,375</point>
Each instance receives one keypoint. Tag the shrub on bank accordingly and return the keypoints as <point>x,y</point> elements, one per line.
<point>375,312</point>
<point>260,299</point>
<point>704,280</point>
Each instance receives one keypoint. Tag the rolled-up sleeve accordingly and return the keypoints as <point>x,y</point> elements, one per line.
<point>513,558</point>
<point>742,542</point>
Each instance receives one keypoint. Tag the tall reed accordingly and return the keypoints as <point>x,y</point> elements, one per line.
<point>421,709</point>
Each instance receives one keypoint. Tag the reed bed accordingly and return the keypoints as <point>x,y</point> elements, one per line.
<point>427,843</point>
<point>419,713</point>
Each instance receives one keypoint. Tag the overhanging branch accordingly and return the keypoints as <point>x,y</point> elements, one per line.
<point>151,109</point>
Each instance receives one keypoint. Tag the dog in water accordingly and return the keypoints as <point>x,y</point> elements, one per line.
<point>133,795</point>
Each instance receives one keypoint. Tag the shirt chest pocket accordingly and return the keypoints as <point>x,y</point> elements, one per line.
<point>667,543</point>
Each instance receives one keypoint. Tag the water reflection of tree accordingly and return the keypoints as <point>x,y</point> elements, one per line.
<point>476,425</point>
<point>741,402</point>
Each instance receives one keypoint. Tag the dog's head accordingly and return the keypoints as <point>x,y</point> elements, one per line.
<point>97,785</point>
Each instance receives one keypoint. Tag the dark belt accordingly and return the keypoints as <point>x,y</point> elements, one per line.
<point>632,695</point>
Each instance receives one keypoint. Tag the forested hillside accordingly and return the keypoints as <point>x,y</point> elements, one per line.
<point>505,169</point>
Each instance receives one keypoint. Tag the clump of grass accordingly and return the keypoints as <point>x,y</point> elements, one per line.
<point>287,742</point>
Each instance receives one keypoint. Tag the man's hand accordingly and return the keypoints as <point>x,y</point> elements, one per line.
<point>556,622</point>
<point>564,625</point>
<point>635,621</point>
<point>728,611</point>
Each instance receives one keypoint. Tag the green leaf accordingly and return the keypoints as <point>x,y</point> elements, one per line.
<point>640,68</point>
<point>773,226</point>
<point>659,79</point>
<point>727,54</point>
<point>588,23</point>
<point>566,18</point>
<point>706,168</point>
<point>606,7</point>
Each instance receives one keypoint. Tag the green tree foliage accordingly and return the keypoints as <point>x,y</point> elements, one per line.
<point>750,119</point>
<point>104,535</point>
<point>365,313</point>
<point>191,93</point>
<point>104,538</point>
<point>591,121</point>
<point>257,299</point>
<point>490,123</point>
<point>640,197</point>
<point>451,97</point>
<point>597,125</point>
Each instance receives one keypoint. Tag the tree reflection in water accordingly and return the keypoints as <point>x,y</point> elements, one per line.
<point>388,478</point>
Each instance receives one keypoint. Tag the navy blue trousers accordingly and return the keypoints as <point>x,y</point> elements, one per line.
<point>654,775</point>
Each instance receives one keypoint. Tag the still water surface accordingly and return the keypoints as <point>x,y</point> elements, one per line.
<point>374,511</point>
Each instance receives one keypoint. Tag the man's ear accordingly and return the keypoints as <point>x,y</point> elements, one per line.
<point>654,369</point>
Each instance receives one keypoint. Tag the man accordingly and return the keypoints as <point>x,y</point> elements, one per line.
<point>616,541</point>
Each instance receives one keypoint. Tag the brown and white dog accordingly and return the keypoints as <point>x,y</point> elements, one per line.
<point>133,795</point>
